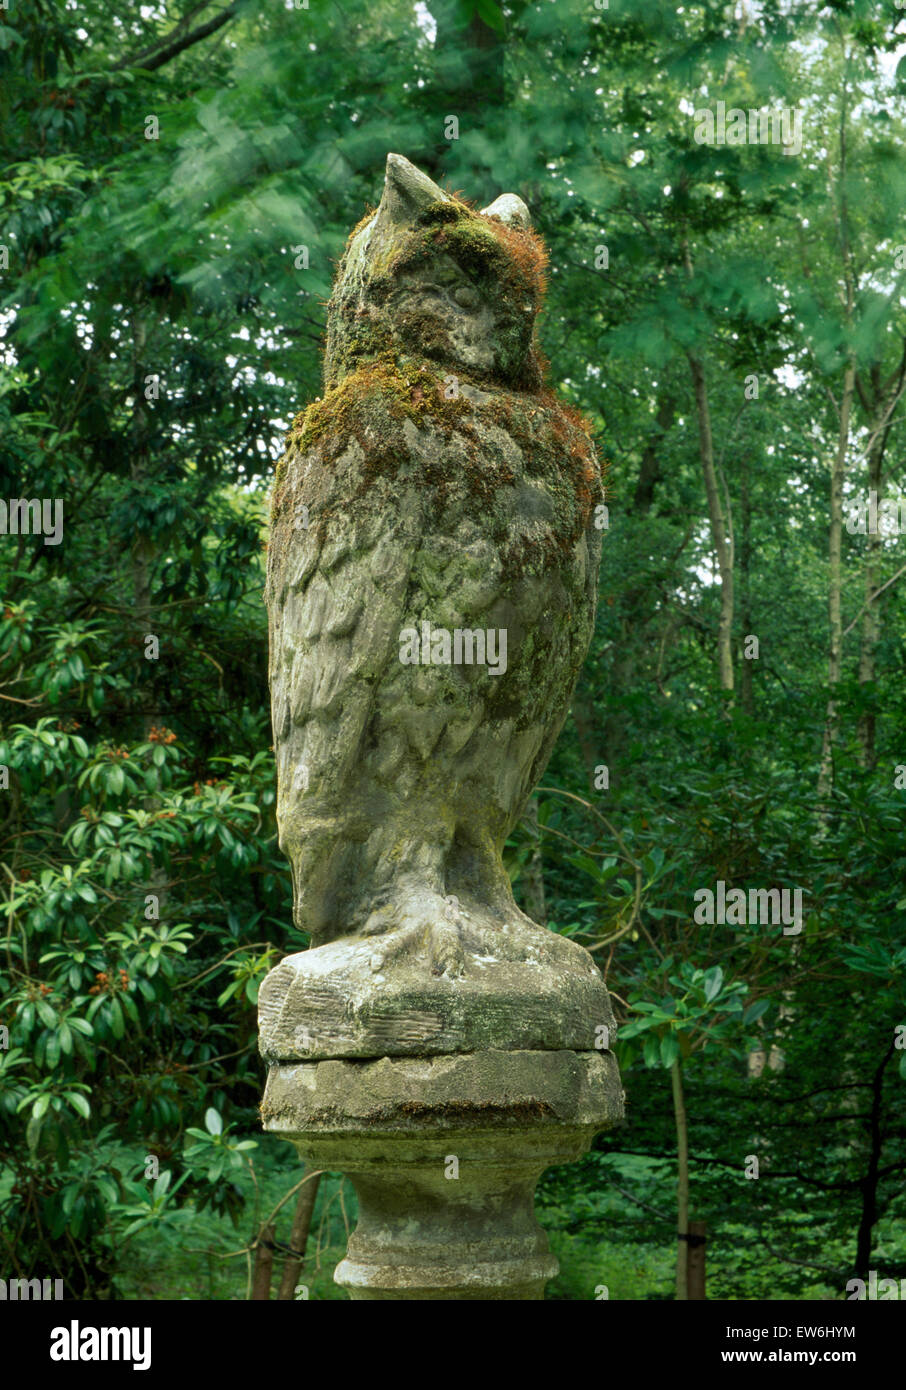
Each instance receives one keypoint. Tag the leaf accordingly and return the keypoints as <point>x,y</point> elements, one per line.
<point>670,1049</point>
<point>636,1026</point>
<point>900,76</point>
<point>213,1121</point>
<point>33,1131</point>
<point>586,864</point>
<point>117,1022</point>
<point>107,1188</point>
<point>490,12</point>
<point>714,979</point>
<point>79,1103</point>
<point>136,1226</point>
<point>163,1182</point>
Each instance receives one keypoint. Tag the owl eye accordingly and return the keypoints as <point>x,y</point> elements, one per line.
<point>467,298</point>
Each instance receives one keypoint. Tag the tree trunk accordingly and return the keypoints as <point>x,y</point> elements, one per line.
<point>879,400</point>
<point>142,546</point>
<point>635,603</point>
<point>746,695</point>
<point>469,83</point>
<point>533,874</point>
<point>869,1184</point>
<point>870,634</point>
<point>584,722</point>
<point>264,1264</point>
<point>696,1262</point>
<point>651,467</point>
<point>682,1182</point>
<point>305,1205</point>
<point>834,601</point>
<point>720,533</point>
<point>142,559</point>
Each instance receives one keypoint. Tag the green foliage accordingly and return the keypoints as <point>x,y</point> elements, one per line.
<point>159,334</point>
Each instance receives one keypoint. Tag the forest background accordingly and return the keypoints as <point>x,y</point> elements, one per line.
<point>178,182</point>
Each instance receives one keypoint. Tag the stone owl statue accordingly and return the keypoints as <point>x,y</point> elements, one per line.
<point>431,586</point>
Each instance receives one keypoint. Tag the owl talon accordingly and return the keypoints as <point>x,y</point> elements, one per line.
<point>447,954</point>
<point>379,922</point>
<point>404,934</point>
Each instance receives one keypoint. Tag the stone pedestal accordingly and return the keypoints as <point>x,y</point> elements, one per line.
<point>444,1153</point>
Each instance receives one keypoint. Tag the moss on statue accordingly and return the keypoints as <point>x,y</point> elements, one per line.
<point>507,266</point>
<point>370,405</point>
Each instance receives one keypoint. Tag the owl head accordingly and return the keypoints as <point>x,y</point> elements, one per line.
<point>428,277</point>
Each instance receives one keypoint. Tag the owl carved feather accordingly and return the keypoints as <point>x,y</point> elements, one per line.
<point>438,488</point>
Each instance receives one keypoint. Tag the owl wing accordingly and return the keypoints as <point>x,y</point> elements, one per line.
<point>336,592</point>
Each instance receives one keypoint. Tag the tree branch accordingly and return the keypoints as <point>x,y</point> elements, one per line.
<point>176,46</point>
<point>876,595</point>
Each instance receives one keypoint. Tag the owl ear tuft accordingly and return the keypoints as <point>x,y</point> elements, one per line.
<point>407,192</point>
<point>511,211</point>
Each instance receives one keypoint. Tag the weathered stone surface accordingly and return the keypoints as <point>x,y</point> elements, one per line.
<point>444,1153</point>
<point>438,487</point>
<point>489,1090</point>
<point>536,991</point>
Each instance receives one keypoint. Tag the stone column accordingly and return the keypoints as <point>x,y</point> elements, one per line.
<point>444,1147</point>
<point>432,576</point>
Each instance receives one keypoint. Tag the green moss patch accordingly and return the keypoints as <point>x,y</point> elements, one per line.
<point>507,265</point>
<point>371,405</point>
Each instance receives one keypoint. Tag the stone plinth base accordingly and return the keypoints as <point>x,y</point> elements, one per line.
<point>519,986</point>
<point>444,1153</point>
